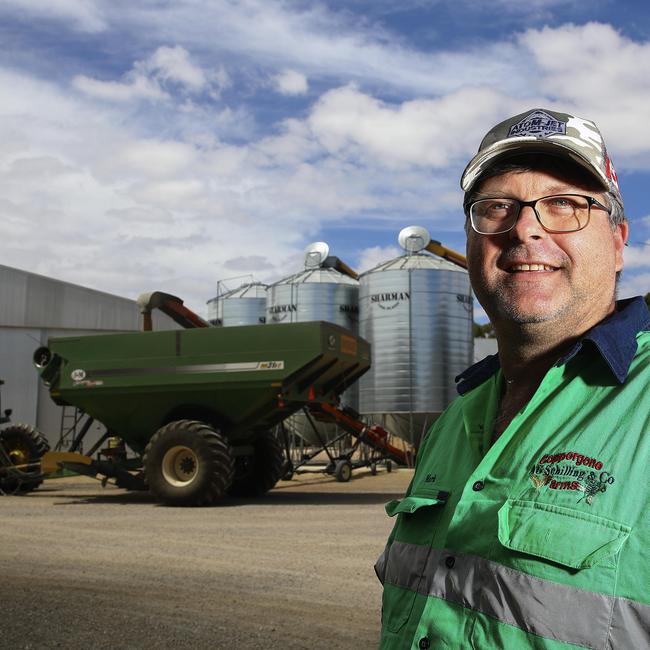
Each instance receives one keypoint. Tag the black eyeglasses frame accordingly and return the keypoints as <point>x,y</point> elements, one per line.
<point>591,201</point>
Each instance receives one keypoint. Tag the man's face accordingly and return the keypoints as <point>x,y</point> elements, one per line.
<point>529,275</point>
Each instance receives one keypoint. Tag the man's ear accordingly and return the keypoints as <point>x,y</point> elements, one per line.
<point>621,232</point>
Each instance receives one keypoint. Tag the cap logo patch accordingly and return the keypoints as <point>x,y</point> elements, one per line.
<point>538,124</point>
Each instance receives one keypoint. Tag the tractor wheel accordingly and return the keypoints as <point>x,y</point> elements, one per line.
<point>22,444</point>
<point>255,475</point>
<point>343,471</point>
<point>187,463</point>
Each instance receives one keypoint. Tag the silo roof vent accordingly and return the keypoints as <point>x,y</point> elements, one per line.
<point>316,254</point>
<point>413,239</point>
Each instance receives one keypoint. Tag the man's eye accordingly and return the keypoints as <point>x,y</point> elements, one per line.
<point>561,202</point>
<point>497,208</point>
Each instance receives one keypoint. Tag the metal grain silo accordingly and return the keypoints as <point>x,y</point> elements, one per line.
<point>325,290</point>
<point>417,312</point>
<point>245,305</point>
<point>319,292</point>
<point>215,311</point>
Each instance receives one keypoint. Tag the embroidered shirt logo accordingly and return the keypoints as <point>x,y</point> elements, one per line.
<point>571,471</point>
<point>538,124</point>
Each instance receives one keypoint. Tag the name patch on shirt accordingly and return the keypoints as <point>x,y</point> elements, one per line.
<point>574,472</point>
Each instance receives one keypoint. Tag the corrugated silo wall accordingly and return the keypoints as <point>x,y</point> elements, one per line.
<point>298,301</point>
<point>419,323</point>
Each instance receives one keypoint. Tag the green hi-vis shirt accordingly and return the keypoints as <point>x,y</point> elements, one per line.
<point>541,540</point>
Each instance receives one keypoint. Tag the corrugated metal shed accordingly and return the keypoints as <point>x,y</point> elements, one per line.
<point>34,308</point>
<point>30,300</point>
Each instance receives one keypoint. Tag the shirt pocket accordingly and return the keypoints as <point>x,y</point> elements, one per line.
<point>403,564</point>
<point>418,514</point>
<point>564,560</point>
<point>571,538</point>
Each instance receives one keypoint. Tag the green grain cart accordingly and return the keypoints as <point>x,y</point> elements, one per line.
<point>197,406</point>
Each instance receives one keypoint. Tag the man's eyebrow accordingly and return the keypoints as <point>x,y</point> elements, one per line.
<point>559,188</point>
<point>479,196</point>
<point>564,189</point>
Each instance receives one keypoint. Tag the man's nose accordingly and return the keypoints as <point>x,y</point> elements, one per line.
<point>527,225</point>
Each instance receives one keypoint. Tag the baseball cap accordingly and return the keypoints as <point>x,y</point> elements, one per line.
<point>544,131</point>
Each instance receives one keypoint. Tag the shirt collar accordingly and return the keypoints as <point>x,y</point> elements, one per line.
<point>614,338</point>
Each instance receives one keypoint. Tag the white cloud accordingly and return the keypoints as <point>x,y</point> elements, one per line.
<point>515,6</point>
<point>126,214</point>
<point>155,158</point>
<point>637,256</point>
<point>113,210</point>
<point>600,74</point>
<point>254,263</point>
<point>83,15</point>
<point>374,255</point>
<point>290,82</point>
<point>154,78</point>
<point>419,132</point>
<point>328,44</point>
<point>173,64</point>
<point>293,144</point>
<point>634,285</point>
<point>134,88</point>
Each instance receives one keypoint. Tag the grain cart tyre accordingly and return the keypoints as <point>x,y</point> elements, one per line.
<point>343,471</point>
<point>255,475</point>
<point>22,444</point>
<point>187,463</point>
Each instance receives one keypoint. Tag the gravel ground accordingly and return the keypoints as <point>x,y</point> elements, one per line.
<point>86,567</point>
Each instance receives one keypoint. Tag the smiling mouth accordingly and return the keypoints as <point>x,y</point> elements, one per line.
<point>527,268</point>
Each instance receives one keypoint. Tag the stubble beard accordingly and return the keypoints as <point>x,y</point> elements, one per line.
<point>564,319</point>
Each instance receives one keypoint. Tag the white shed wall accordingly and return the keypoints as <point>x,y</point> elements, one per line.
<point>33,309</point>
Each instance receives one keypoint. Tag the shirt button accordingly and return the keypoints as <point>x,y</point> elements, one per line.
<point>424,643</point>
<point>450,561</point>
<point>478,486</point>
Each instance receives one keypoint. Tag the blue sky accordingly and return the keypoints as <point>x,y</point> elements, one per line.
<point>169,145</point>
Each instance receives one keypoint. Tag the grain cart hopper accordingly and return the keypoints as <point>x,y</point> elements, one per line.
<point>198,405</point>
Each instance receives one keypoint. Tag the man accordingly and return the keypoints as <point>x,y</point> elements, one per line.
<point>527,520</point>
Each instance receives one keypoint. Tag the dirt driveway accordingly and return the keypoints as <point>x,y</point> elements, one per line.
<point>86,567</point>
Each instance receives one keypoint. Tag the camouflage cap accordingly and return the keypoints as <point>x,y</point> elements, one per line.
<point>544,131</point>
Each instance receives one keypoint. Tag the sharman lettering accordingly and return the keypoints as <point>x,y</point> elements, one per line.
<point>392,296</point>
<point>279,309</point>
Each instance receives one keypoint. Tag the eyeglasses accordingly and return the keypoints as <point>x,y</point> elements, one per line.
<point>557,213</point>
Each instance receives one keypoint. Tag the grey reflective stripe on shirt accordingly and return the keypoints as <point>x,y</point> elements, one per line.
<point>630,624</point>
<point>547,609</point>
<point>380,565</point>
